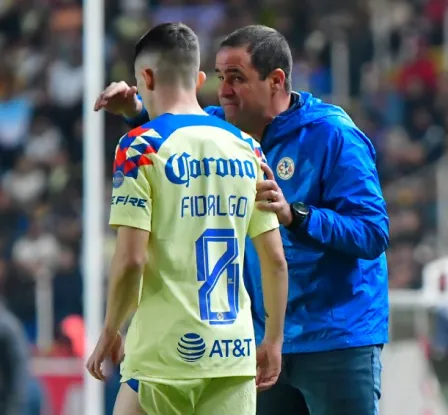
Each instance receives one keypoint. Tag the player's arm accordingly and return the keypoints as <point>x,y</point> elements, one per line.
<point>127,267</point>
<point>265,234</point>
<point>131,210</point>
<point>274,272</point>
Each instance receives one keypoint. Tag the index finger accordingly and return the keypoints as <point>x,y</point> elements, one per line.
<point>98,370</point>
<point>98,103</point>
<point>114,90</point>
<point>262,387</point>
<point>269,173</point>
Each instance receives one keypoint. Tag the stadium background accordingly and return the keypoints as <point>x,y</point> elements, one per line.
<point>382,60</point>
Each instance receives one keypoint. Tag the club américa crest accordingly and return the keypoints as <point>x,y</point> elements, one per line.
<point>285,168</point>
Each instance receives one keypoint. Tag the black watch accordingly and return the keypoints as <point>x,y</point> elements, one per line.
<point>299,212</point>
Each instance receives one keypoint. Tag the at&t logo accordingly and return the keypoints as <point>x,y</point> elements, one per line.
<point>191,347</point>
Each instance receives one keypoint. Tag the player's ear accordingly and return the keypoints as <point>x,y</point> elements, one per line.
<point>201,79</point>
<point>277,79</point>
<point>148,77</point>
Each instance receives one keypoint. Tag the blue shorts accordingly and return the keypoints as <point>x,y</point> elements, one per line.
<point>133,384</point>
<point>339,382</point>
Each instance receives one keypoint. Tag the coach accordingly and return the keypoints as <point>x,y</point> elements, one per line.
<point>325,190</point>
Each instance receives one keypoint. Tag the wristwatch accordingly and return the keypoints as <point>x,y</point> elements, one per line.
<point>299,212</point>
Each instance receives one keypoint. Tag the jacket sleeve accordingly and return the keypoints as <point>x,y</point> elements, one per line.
<point>353,217</point>
<point>143,117</point>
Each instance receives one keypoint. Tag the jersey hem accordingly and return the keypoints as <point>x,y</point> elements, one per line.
<point>130,223</point>
<point>143,378</point>
<point>261,230</point>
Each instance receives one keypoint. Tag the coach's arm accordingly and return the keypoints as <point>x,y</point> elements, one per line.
<point>354,220</point>
<point>121,99</point>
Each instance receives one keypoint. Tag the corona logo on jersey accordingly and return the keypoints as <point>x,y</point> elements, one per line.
<point>180,169</point>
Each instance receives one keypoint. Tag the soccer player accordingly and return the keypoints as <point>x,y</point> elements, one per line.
<point>183,201</point>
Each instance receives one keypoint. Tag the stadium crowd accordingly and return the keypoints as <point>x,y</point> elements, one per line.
<point>403,109</point>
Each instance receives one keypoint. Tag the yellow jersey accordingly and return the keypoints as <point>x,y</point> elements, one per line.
<point>190,180</point>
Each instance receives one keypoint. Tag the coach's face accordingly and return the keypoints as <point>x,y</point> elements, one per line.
<point>243,95</point>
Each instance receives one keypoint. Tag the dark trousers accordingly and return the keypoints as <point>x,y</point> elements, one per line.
<point>339,382</point>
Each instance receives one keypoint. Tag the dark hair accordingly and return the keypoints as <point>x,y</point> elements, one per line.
<point>268,48</point>
<point>178,49</point>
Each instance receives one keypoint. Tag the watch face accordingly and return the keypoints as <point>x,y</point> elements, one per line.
<point>301,208</point>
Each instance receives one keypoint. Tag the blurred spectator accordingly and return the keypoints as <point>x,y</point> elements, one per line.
<point>14,375</point>
<point>9,220</point>
<point>419,68</point>
<point>434,11</point>
<point>381,100</point>
<point>35,398</point>
<point>44,141</point>
<point>37,251</point>
<point>15,117</point>
<point>67,286</point>
<point>65,76</point>
<point>63,345</point>
<point>25,183</point>
<point>73,328</point>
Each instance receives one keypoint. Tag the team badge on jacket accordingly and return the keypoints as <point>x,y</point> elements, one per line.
<point>285,168</point>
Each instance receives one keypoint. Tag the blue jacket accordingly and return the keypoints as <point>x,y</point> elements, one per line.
<point>338,282</point>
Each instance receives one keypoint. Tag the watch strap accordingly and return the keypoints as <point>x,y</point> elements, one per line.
<point>297,219</point>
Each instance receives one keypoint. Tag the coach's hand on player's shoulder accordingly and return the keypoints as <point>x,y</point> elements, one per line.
<point>119,98</point>
<point>269,365</point>
<point>271,198</point>
<point>109,346</point>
